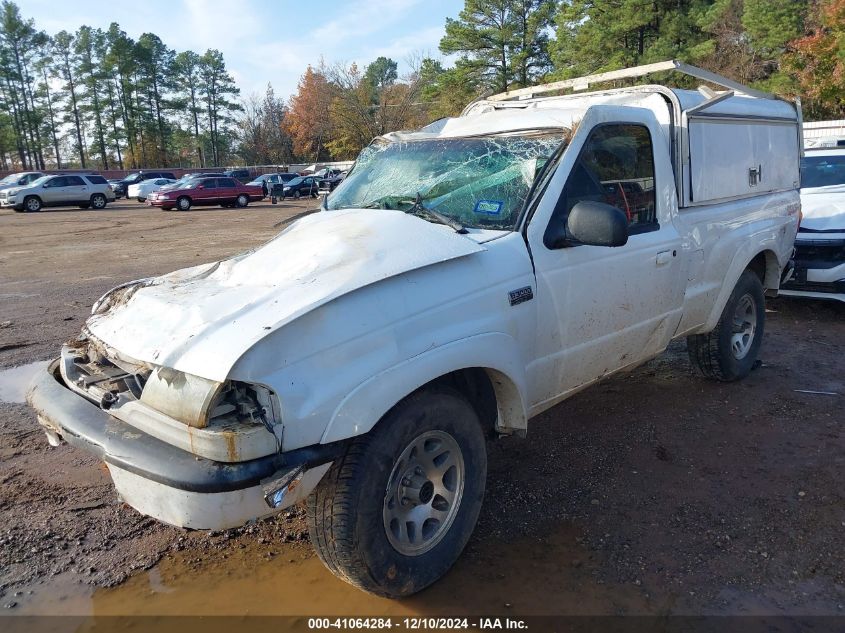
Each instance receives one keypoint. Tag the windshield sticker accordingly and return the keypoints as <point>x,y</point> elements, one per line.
<point>488,207</point>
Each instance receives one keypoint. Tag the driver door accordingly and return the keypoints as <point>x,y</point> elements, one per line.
<point>604,308</point>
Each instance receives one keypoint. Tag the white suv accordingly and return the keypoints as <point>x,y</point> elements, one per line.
<point>86,190</point>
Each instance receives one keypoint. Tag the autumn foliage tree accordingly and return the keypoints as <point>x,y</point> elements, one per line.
<point>818,61</point>
<point>307,121</point>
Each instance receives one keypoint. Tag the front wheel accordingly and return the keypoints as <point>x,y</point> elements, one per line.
<point>183,203</point>
<point>140,199</point>
<point>729,352</point>
<point>394,513</point>
<point>98,201</point>
<point>32,204</point>
<point>297,195</point>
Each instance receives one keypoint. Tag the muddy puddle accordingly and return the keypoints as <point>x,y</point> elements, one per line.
<point>493,578</point>
<point>15,381</point>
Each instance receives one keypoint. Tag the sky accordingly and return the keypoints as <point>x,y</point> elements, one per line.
<point>265,41</point>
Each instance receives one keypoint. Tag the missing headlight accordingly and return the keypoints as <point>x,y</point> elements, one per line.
<point>247,403</point>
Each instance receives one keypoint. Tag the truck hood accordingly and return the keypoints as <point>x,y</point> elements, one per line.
<point>200,320</point>
<point>823,208</point>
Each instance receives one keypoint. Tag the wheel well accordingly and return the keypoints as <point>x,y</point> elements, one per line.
<point>765,266</point>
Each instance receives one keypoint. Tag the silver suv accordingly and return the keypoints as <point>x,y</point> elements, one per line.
<point>84,190</point>
<point>20,179</point>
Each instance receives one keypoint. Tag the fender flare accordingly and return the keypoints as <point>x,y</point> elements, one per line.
<point>739,263</point>
<point>497,353</point>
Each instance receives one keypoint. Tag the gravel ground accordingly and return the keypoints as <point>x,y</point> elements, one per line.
<point>654,492</point>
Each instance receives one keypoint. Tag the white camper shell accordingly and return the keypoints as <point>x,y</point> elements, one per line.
<point>724,145</point>
<point>462,279</point>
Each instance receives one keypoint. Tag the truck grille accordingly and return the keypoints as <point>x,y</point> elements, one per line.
<point>90,373</point>
<point>819,253</point>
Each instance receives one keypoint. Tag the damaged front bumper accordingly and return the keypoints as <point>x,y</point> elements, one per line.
<point>819,267</point>
<point>171,484</point>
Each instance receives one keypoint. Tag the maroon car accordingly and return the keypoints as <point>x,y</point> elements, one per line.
<point>227,192</point>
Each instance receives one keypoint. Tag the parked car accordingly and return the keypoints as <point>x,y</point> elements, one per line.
<point>121,186</point>
<point>182,181</point>
<point>243,175</point>
<point>142,190</point>
<point>328,184</point>
<point>463,279</point>
<point>83,190</point>
<point>301,186</point>
<point>820,244</point>
<point>267,181</point>
<point>227,192</point>
<point>20,179</point>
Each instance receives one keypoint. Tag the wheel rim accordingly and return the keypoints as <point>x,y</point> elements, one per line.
<point>98,202</point>
<point>242,201</point>
<point>33,205</point>
<point>744,326</point>
<point>423,493</point>
<point>183,204</point>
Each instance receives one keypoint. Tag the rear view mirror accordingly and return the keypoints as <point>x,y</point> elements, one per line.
<point>597,224</point>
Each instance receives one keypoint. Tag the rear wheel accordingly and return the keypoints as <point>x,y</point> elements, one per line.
<point>183,203</point>
<point>98,201</point>
<point>394,513</point>
<point>32,204</point>
<point>729,352</point>
<point>242,200</point>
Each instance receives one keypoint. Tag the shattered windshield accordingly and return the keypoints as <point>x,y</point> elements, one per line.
<point>480,182</point>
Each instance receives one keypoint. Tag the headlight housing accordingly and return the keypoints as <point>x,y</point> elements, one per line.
<point>181,396</point>
<point>199,402</point>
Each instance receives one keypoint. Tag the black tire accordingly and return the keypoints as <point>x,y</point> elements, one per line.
<point>98,201</point>
<point>718,354</point>
<point>140,199</point>
<point>183,203</point>
<point>242,200</point>
<point>346,519</point>
<point>32,204</point>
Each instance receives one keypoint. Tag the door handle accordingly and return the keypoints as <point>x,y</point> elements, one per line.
<point>664,257</point>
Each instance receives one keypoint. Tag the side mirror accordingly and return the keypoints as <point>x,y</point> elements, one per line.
<point>597,224</point>
<point>45,185</point>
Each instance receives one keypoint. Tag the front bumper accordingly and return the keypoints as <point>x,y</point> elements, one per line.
<point>819,268</point>
<point>165,482</point>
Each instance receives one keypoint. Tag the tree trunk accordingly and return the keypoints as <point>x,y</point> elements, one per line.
<point>53,134</point>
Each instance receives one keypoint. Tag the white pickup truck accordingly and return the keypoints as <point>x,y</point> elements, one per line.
<point>462,279</point>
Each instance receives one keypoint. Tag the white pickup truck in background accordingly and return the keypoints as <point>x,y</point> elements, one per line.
<point>820,244</point>
<point>462,279</point>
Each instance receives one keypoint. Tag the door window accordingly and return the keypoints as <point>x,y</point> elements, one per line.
<point>74,181</point>
<point>59,181</point>
<point>210,183</point>
<point>226,182</point>
<point>615,166</point>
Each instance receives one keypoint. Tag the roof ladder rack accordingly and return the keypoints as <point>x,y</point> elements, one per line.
<point>583,83</point>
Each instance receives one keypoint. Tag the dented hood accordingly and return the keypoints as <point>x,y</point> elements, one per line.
<point>823,208</point>
<point>201,320</point>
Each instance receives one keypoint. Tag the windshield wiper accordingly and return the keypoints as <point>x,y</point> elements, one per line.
<point>419,208</point>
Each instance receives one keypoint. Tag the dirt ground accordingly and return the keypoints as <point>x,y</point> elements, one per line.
<point>655,492</point>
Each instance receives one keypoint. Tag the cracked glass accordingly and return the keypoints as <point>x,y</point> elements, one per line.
<point>480,182</point>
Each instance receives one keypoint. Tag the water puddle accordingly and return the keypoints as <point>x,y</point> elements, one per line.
<point>14,381</point>
<point>495,578</point>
